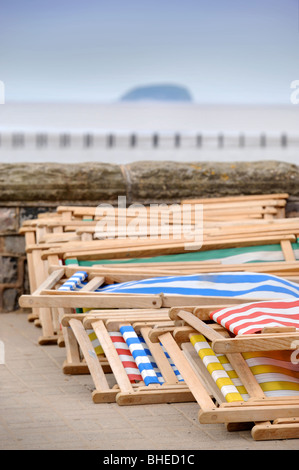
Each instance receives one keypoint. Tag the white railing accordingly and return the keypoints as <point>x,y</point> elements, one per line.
<point>44,139</point>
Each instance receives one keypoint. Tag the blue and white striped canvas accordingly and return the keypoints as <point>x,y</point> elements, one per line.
<point>144,364</point>
<point>245,285</point>
<point>241,284</point>
<point>75,282</point>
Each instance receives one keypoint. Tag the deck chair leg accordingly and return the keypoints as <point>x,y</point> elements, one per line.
<point>30,240</point>
<point>279,429</point>
<point>45,314</point>
<point>48,335</point>
<point>189,375</point>
<point>114,361</point>
<point>72,365</point>
<point>104,393</point>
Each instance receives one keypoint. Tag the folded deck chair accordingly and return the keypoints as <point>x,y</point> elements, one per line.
<point>237,255</point>
<point>254,317</point>
<point>75,362</point>
<point>50,228</point>
<point>241,284</point>
<point>166,291</point>
<point>143,373</point>
<point>40,257</point>
<point>255,381</point>
<point>252,207</point>
<point>124,249</point>
<point>160,292</point>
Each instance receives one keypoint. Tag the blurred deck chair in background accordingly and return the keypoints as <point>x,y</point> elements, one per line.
<point>249,206</point>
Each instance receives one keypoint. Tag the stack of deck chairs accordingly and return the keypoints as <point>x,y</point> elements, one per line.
<point>162,314</point>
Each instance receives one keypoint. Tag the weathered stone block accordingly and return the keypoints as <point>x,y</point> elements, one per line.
<point>92,181</point>
<point>10,300</point>
<point>8,219</point>
<point>29,213</point>
<point>169,181</point>
<point>8,270</point>
<point>14,244</point>
<point>26,284</point>
<point>292,207</point>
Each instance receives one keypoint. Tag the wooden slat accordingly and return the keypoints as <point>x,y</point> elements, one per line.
<point>91,358</point>
<point>112,356</point>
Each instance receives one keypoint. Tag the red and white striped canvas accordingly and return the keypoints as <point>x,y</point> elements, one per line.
<point>126,357</point>
<point>252,317</point>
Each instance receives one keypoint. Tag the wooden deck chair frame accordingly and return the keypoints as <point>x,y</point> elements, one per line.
<point>34,232</point>
<point>68,213</point>
<point>50,301</point>
<point>38,270</point>
<point>122,249</point>
<point>266,200</point>
<point>221,229</point>
<point>74,363</point>
<point>46,296</point>
<point>39,258</point>
<point>259,203</point>
<point>269,418</point>
<point>124,392</point>
<point>50,310</point>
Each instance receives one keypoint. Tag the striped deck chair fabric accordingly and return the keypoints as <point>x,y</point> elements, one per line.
<point>273,370</point>
<point>252,317</point>
<point>141,355</point>
<point>222,378</point>
<point>126,357</point>
<point>242,284</point>
<point>129,346</point>
<point>173,366</point>
<point>249,254</point>
<point>74,283</point>
<point>137,359</point>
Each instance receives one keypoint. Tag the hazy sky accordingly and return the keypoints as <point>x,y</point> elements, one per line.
<point>223,51</point>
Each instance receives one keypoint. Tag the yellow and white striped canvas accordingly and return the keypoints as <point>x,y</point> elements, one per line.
<point>93,338</point>
<point>276,374</point>
<point>223,378</point>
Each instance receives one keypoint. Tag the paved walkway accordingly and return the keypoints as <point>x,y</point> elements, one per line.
<point>41,408</point>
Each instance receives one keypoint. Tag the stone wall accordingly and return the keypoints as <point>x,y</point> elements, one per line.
<point>29,189</point>
<point>13,266</point>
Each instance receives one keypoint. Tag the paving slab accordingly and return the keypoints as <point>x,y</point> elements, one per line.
<point>43,409</point>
